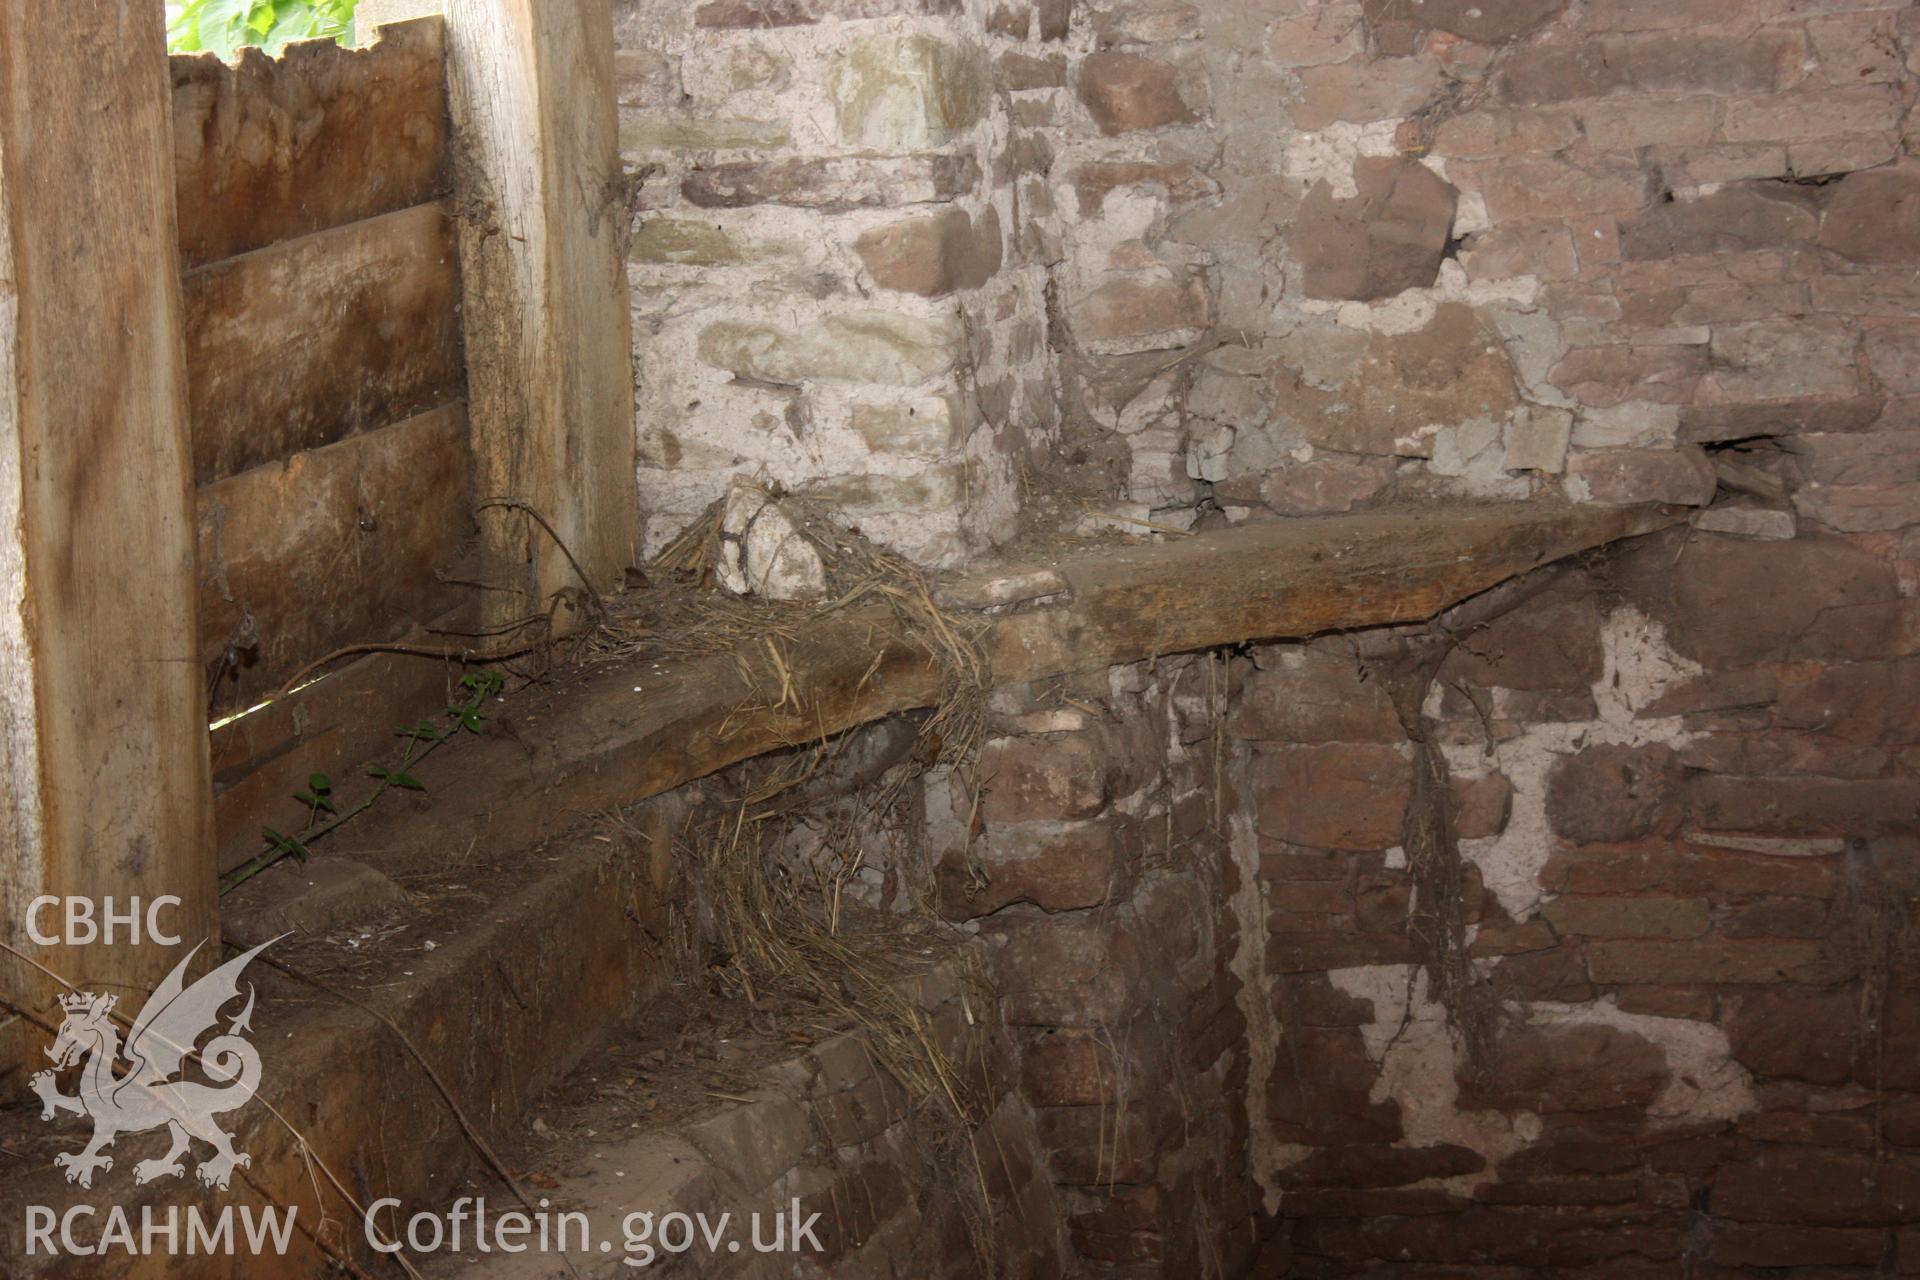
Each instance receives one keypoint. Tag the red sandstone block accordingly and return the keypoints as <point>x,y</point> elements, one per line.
<point>1505,131</point>
<point>1126,1225</point>
<point>1612,794</point>
<point>1805,806</point>
<point>1630,123</point>
<point>1558,974</point>
<point>1723,963</point>
<point>1680,476</point>
<point>1573,1068</point>
<point>1792,1185</point>
<point>1043,777</point>
<point>1660,15</point>
<point>1737,1244</point>
<point>832,184</point>
<point>1347,796</point>
<point>1868,702</point>
<point>1073,971</point>
<point>1125,93</point>
<point>1481,806</point>
<point>1610,375</point>
<point>1367,1167</point>
<point>1663,62</point>
<point>1364,89</point>
<point>1054,866</point>
<point>1318,1094</point>
<point>1778,918</point>
<point>1543,249</point>
<point>1552,187</point>
<point>1823,113</point>
<point>1732,602</point>
<point>1695,1004</point>
<point>1562,1191</point>
<point>1685,167</point>
<point>1326,485</point>
<point>1796,1035</point>
<point>1314,697</point>
<point>1809,1129</point>
<point>1102,1146</point>
<point>1296,950</point>
<point>1630,917</point>
<point>1683,869</point>
<point>1065,1067</point>
<point>933,256</point>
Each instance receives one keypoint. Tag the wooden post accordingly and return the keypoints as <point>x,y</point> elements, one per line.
<point>548,333</point>
<point>104,788</point>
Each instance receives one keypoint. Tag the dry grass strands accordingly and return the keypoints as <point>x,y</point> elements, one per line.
<point>680,613</point>
<point>774,870</point>
<point>773,876</point>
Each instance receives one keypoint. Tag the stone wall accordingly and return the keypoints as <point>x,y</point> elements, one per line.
<point>1650,1009</point>
<point>1095,865</point>
<point>1684,788</point>
<point>838,262</point>
<point>1322,252</point>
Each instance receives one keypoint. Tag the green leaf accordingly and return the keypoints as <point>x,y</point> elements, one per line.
<point>285,844</point>
<point>319,783</point>
<point>395,777</point>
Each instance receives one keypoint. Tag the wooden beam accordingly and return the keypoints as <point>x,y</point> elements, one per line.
<point>548,333</point>
<point>630,731</point>
<point>308,341</point>
<point>268,149</point>
<point>103,740</point>
<point>332,547</point>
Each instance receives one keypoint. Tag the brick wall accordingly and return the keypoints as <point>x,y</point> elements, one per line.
<point>1684,788</point>
<point>1097,871</point>
<point>1255,259</point>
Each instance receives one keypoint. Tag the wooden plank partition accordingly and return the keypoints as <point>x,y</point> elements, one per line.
<point>270,149</point>
<point>306,342</point>
<point>326,391</point>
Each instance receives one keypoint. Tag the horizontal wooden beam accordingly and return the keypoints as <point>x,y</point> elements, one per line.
<point>267,149</point>
<point>630,731</point>
<point>333,547</point>
<point>312,340</point>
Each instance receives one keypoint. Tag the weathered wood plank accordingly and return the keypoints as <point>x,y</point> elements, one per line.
<point>266,150</point>
<point>333,547</point>
<point>103,749</point>
<point>307,342</point>
<point>624,734</point>
<point>332,726</point>
<point>548,334</point>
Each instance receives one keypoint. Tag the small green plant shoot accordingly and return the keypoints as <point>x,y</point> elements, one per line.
<point>222,26</point>
<point>318,797</point>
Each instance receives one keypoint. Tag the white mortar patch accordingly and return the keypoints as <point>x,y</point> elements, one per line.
<point>1328,155</point>
<point>1265,1156</point>
<point>1419,1053</point>
<point>1639,666</point>
<point>1413,310</point>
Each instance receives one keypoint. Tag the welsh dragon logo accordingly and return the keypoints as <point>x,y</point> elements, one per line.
<point>146,1096</point>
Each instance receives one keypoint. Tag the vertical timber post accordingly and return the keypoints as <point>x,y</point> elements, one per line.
<point>548,332</point>
<point>104,789</point>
